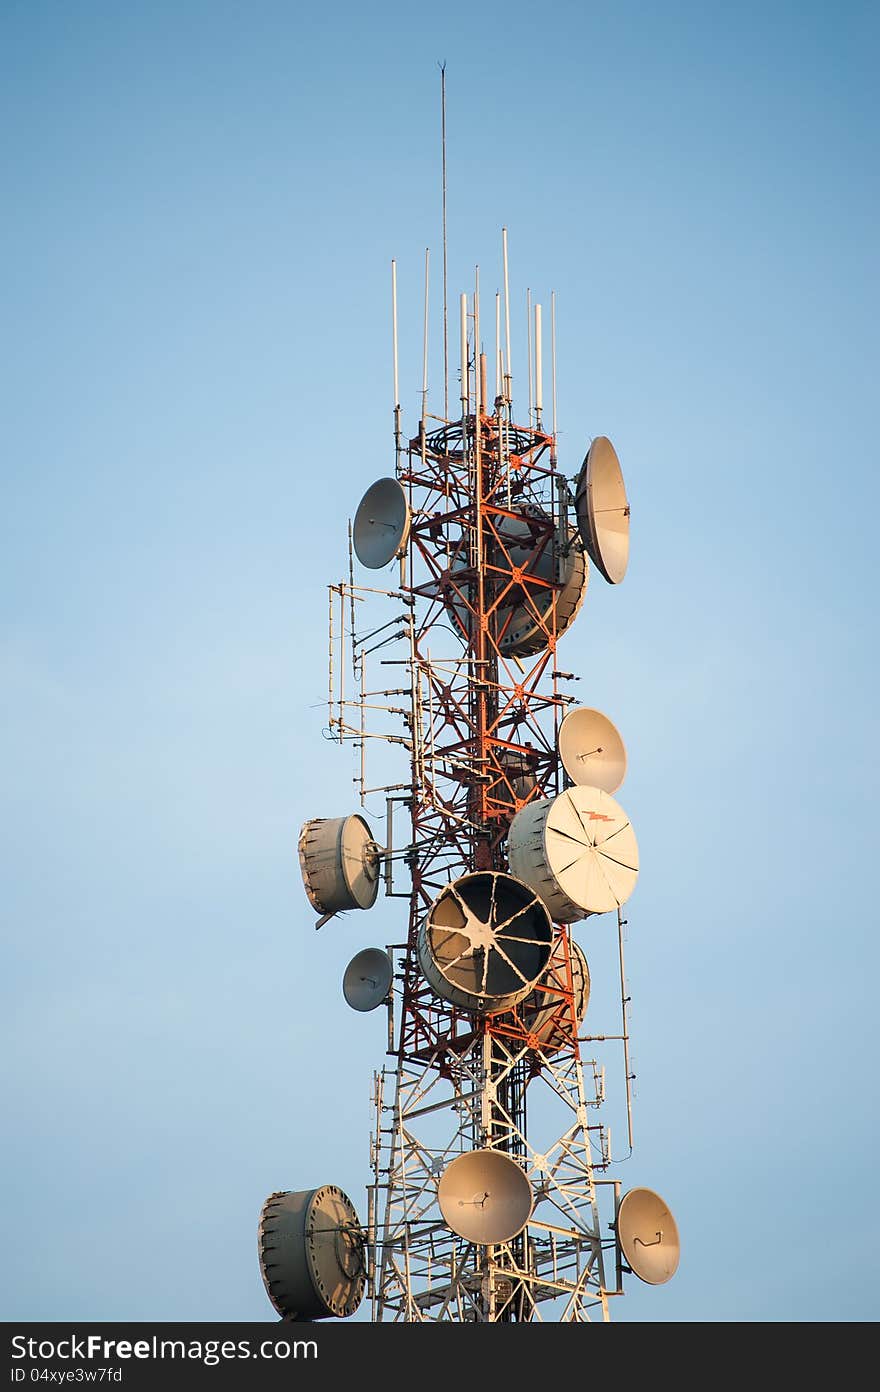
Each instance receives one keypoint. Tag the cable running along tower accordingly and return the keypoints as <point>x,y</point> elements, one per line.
<point>489,1196</point>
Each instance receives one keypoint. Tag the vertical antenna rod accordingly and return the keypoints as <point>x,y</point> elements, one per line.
<point>529,345</point>
<point>464,356</point>
<point>425,348</point>
<point>506,316</point>
<point>394,354</point>
<point>553,361</point>
<point>539,367</point>
<point>445,330</point>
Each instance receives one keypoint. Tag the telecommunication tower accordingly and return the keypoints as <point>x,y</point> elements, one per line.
<point>488,1198</point>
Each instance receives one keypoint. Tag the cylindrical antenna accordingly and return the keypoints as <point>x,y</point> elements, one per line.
<point>529,346</point>
<point>445,332</point>
<point>394,343</point>
<point>506,316</point>
<point>478,377</point>
<point>498,382</point>
<point>553,361</point>
<point>464,355</point>
<point>539,367</point>
<point>394,328</point>
<point>425,350</point>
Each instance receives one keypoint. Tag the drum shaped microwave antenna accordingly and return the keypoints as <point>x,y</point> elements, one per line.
<point>484,1197</point>
<point>591,749</point>
<point>485,941</point>
<point>648,1236</point>
<point>546,1013</point>
<point>367,979</point>
<point>381,524</point>
<point>603,511</point>
<point>578,851</point>
<point>339,861</point>
<point>311,1248</point>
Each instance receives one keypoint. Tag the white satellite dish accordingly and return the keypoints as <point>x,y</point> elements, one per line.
<point>484,1197</point>
<point>381,524</point>
<point>367,979</point>
<point>591,750</point>
<point>485,941</point>
<point>578,851</point>
<point>603,511</point>
<point>648,1236</point>
<point>311,1248</point>
<point>339,861</point>
<point>554,1011</point>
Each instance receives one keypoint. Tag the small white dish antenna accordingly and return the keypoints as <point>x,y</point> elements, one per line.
<point>381,524</point>
<point>648,1236</point>
<point>603,511</point>
<point>484,1197</point>
<point>591,749</point>
<point>339,861</point>
<point>578,851</point>
<point>311,1249</point>
<point>367,979</point>
<point>485,941</point>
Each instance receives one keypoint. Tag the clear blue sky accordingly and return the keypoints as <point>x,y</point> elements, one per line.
<point>201,204</point>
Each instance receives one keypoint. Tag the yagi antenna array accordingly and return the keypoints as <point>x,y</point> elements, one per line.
<point>381,524</point>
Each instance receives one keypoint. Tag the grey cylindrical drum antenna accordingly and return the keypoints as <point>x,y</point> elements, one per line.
<point>367,979</point>
<point>339,861</point>
<point>525,613</point>
<point>381,524</point>
<point>550,1014</point>
<point>311,1248</point>
<point>484,1196</point>
<point>648,1236</point>
<point>561,561</point>
<point>603,511</point>
<point>578,851</point>
<point>485,941</point>
<point>591,749</point>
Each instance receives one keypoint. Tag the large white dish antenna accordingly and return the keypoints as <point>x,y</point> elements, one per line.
<point>311,1248</point>
<point>591,750</point>
<point>339,861</point>
<point>485,941</point>
<point>485,1197</point>
<point>381,524</point>
<point>367,979</point>
<point>555,1010</point>
<point>578,851</point>
<point>648,1236</point>
<point>603,511</point>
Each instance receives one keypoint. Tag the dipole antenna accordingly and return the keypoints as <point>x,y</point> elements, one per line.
<point>442,67</point>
